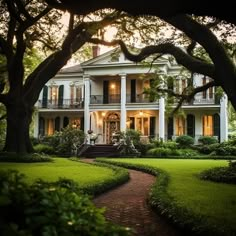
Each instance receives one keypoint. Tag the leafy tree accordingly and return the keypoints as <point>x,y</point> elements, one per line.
<point>221,68</point>
<point>27,24</point>
<point>149,7</point>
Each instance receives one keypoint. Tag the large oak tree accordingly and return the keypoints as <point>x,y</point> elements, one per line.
<point>26,24</point>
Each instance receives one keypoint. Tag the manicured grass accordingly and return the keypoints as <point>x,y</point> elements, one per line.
<point>82,173</point>
<point>215,203</point>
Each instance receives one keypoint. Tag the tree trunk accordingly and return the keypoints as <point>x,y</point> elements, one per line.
<point>18,125</point>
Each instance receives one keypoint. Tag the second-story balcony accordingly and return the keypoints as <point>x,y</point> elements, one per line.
<point>60,104</point>
<point>199,99</point>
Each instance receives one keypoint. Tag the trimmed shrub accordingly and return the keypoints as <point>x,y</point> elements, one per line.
<point>44,148</point>
<point>185,141</point>
<point>207,140</point>
<point>49,209</point>
<point>25,158</point>
<point>220,174</point>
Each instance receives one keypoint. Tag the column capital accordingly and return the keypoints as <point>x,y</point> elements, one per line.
<point>122,75</point>
<point>86,77</point>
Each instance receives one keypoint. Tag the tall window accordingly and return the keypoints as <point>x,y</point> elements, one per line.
<point>180,126</point>
<point>78,93</point>
<point>177,87</point>
<point>72,88</point>
<point>184,84</point>
<point>50,127</point>
<point>207,125</point>
<point>204,93</point>
<point>54,94</point>
<point>114,91</point>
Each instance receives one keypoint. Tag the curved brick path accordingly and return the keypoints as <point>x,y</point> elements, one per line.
<point>126,205</point>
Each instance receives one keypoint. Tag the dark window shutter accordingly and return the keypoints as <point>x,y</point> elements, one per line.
<point>105,91</point>
<point>133,90</point>
<point>45,97</point>
<point>41,126</point>
<point>170,128</point>
<point>60,96</point>
<point>82,123</point>
<point>57,123</point>
<point>152,126</point>
<point>216,125</point>
<point>191,125</point>
<point>65,122</point>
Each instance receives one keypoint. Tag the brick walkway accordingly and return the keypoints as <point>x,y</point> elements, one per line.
<point>126,205</point>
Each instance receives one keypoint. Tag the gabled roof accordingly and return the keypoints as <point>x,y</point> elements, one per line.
<point>72,69</point>
<point>104,58</point>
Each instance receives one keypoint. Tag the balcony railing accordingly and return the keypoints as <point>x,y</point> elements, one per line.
<point>138,98</point>
<point>102,99</point>
<point>200,100</point>
<point>60,104</point>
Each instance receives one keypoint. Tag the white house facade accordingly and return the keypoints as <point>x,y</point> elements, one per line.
<point>105,94</point>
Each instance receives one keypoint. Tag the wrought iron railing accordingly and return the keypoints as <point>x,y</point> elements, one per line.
<point>60,104</point>
<point>199,99</point>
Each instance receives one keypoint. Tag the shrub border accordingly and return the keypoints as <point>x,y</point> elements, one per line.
<point>159,199</point>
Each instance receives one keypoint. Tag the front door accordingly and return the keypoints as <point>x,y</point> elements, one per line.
<point>112,125</point>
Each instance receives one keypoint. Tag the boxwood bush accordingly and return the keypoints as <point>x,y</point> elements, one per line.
<point>221,174</point>
<point>45,209</point>
<point>207,140</point>
<point>185,141</point>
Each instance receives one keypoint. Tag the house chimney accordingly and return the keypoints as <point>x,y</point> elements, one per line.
<point>95,50</point>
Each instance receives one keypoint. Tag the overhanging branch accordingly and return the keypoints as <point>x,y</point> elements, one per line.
<point>181,57</point>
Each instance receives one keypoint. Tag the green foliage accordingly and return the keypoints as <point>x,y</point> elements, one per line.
<point>66,141</point>
<point>221,174</point>
<point>207,140</point>
<point>226,148</point>
<point>49,209</point>
<point>185,141</point>
<point>27,158</point>
<point>127,142</point>
<point>43,148</point>
<point>134,135</point>
<point>169,152</point>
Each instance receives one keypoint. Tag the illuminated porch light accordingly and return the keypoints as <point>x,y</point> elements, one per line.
<point>141,113</point>
<point>103,114</point>
<point>113,86</point>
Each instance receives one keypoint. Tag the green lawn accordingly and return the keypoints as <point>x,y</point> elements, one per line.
<point>216,202</point>
<point>84,174</point>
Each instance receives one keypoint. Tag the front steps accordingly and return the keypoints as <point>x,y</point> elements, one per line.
<point>100,150</point>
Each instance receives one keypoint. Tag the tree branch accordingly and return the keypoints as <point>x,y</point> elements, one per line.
<point>22,9</point>
<point>187,97</point>
<point>181,57</point>
<point>225,71</point>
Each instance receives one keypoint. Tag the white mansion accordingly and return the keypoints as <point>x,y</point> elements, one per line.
<point>105,94</point>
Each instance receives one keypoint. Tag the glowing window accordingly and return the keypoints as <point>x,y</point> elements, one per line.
<point>207,125</point>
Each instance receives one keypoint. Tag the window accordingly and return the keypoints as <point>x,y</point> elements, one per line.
<point>72,88</point>
<point>78,93</point>
<point>180,126</point>
<point>207,125</point>
<point>184,84</point>
<point>204,93</point>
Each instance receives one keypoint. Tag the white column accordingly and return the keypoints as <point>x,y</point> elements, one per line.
<point>162,118</point>
<point>223,119</point>
<point>86,103</point>
<point>123,103</point>
<point>36,124</point>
